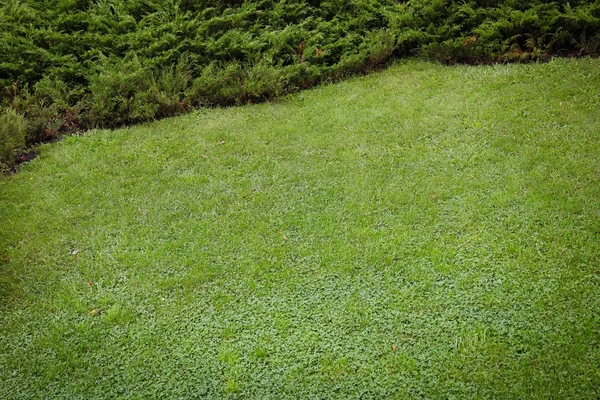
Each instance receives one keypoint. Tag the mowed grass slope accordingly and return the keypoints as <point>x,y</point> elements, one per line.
<point>426,232</point>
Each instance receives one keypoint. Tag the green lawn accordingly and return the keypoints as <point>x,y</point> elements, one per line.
<point>427,232</point>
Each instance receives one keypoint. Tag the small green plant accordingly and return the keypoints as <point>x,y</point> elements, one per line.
<point>120,92</point>
<point>12,136</point>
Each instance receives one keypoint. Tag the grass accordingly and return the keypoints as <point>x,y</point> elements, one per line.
<point>427,232</point>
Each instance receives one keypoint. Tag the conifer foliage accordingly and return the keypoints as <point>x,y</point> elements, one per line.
<point>68,65</point>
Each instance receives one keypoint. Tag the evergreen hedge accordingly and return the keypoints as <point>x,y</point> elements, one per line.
<point>73,64</point>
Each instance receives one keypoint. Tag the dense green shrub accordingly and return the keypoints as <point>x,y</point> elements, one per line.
<point>51,107</point>
<point>73,64</point>
<point>12,136</point>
